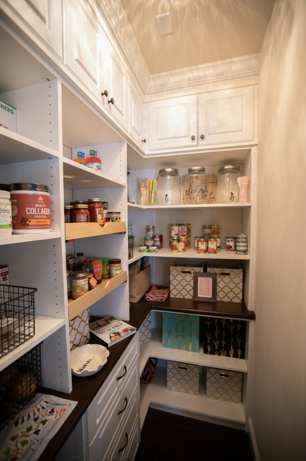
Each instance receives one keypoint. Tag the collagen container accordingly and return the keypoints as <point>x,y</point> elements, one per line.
<point>5,212</point>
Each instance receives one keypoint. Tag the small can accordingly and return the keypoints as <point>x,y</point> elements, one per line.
<point>79,284</point>
<point>174,232</point>
<point>113,216</point>
<point>148,241</point>
<point>68,213</point>
<point>230,244</point>
<point>150,231</point>
<point>143,248</point>
<point>182,231</point>
<point>188,229</point>
<point>153,249</point>
<point>218,244</point>
<point>174,246</point>
<point>215,231</point>
<point>181,246</point>
<point>241,252</point>
<point>197,237</point>
<point>187,244</point>
<point>201,245</point>
<point>212,246</point>
<point>158,241</point>
<point>206,231</point>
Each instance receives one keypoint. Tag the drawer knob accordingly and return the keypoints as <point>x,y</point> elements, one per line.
<point>127,441</point>
<point>126,404</point>
<point>125,371</point>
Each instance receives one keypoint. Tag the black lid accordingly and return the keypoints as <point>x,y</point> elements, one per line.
<point>115,261</point>
<point>5,187</point>
<point>29,186</point>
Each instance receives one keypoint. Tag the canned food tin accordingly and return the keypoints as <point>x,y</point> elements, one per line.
<point>158,240</point>
<point>181,246</point>
<point>188,229</point>
<point>182,231</point>
<point>215,231</point>
<point>230,244</point>
<point>174,246</point>
<point>212,246</point>
<point>218,244</point>
<point>79,284</point>
<point>174,232</point>
<point>150,231</point>
<point>153,249</point>
<point>143,248</point>
<point>197,237</point>
<point>113,216</point>
<point>241,252</point>
<point>201,245</point>
<point>206,231</point>
<point>148,241</point>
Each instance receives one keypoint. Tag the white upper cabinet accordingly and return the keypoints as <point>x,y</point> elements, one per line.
<point>226,116</point>
<point>82,40</point>
<point>43,18</point>
<point>172,123</point>
<point>135,118</point>
<point>114,83</point>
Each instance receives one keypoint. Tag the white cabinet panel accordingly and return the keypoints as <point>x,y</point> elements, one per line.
<point>43,18</point>
<point>82,43</point>
<point>226,116</point>
<point>173,123</point>
<point>135,118</point>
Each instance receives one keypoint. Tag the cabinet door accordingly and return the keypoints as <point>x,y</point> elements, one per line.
<point>226,116</point>
<point>43,18</point>
<point>173,123</point>
<point>114,79</point>
<point>135,117</point>
<point>81,43</point>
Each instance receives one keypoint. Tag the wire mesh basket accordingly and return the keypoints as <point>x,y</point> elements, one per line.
<point>17,316</point>
<point>19,383</point>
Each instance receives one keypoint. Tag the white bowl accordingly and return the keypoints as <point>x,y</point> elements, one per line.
<point>89,359</point>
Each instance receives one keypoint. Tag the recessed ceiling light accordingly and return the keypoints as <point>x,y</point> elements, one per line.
<point>164,24</point>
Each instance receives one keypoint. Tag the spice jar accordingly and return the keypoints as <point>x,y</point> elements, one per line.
<point>95,208</point>
<point>80,213</point>
<point>68,213</point>
<point>168,187</point>
<point>114,267</point>
<point>79,284</point>
<point>227,184</point>
<point>196,186</point>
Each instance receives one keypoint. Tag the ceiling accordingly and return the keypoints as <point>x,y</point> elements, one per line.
<point>204,31</point>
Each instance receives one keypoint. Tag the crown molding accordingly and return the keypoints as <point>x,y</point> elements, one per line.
<point>228,69</point>
<point>113,16</point>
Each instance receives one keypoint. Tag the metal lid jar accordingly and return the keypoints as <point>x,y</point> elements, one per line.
<point>227,184</point>
<point>196,186</point>
<point>168,187</point>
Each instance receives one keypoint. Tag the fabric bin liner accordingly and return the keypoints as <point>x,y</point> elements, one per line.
<point>181,281</point>
<point>183,377</point>
<point>229,282</point>
<point>224,385</point>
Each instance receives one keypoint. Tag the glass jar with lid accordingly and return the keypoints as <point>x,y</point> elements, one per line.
<point>168,187</point>
<point>227,184</point>
<point>196,186</point>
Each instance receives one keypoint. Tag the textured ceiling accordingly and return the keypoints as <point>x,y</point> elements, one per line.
<point>204,31</point>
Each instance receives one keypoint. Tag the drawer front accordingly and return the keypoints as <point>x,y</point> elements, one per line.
<point>111,434</point>
<point>100,408</point>
<point>134,442</point>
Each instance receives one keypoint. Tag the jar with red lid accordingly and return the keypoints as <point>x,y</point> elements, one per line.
<point>95,208</point>
<point>68,213</point>
<point>80,213</point>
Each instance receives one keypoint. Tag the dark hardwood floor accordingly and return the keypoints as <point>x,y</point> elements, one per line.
<point>169,437</point>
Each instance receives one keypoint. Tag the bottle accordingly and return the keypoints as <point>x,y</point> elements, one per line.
<point>87,266</point>
<point>93,161</point>
<point>80,158</point>
<point>79,262</point>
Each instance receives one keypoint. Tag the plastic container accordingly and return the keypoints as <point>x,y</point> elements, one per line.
<point>168,187</point>
<point>227,184</point>
<point>93,161</point>
<point>79,284</point>
<point>114,267</point>
<point>30,208</point>
<point>80,158</point>
<point>5,214</point>
<point>196,186</point>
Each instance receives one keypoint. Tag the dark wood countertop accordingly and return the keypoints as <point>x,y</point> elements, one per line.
<point>85,389</point>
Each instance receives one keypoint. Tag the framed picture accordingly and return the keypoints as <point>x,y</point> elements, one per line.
<point>205,287</point>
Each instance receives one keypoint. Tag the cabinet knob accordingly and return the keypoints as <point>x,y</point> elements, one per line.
<point>105,93</point>
<point>111,101</point>
<point>143,140</point>
<point>202,136</point>
<point>192,138</point>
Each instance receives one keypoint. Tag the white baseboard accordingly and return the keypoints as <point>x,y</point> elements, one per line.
<point>252,440</point>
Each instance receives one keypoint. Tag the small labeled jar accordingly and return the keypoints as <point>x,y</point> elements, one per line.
<point>30,208</point>
<point>68,213</point>
<point>114,267</point>
<point>113,216</point>
<point>95,209</point>
<point>80,213</point>
<point>5,214</point>
<point>79,284</point>
<point>105,268</point>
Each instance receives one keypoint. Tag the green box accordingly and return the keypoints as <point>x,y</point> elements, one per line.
<point>181,332</point>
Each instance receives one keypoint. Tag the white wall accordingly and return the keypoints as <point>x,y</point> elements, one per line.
<point>278,391</point>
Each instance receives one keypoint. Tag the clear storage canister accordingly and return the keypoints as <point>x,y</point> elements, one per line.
<point>196,186</point>
<point>168,187</point>
<point>227,184</point>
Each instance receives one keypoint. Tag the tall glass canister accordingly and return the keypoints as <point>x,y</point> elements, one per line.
<point>227,184</point>
<point>168,187</point>
<point>196,186</point>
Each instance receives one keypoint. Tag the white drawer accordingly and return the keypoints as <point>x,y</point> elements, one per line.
<point>101,407</point>
<point>112,434</point>
<point>133,442</point>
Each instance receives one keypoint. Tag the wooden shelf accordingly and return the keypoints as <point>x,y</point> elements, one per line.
<point>77,306</point>
<point>84,230</point>
<point>182,206</point>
